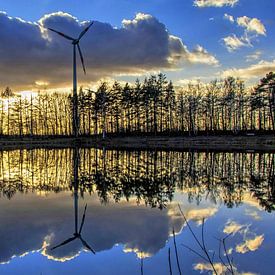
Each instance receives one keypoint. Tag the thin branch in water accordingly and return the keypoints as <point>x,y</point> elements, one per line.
<point>201,245</point>
<point>169,261</point>
<point>202,234</point>
<point>229,264</point>
<point>188,225</point>
<point>220,255</point>
<point>195,252</point>
<point>227,256</point>
<point>213,256</point>
<point>141,264</point>
<point>176,251</point>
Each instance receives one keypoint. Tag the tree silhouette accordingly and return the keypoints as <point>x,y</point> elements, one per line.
<point>153,106</point>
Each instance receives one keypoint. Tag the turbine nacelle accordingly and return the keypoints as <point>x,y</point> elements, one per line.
<point>77,235</point>
<point>75,41</point>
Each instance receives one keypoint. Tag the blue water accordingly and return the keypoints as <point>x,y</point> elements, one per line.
<point>133,206</point>
<point>123,233</point>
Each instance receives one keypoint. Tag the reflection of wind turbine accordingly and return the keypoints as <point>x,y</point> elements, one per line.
<point>75,42</point>
<point>77,233</point>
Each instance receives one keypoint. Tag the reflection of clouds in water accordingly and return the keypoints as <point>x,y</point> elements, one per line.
<point>46,245</point>
<point>253,214</point>
<point>220,269</point>
<point>206,267</point>
<point>229,251</point>
<point>196,213</point>
<point>199,215</point>
<point>140,254</point>
<point>32,222</point>
<point>232,227</point>
<point>250,244</point>
<point>45,222</point>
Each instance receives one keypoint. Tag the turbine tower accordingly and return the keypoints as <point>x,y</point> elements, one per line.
<point>75,43</point>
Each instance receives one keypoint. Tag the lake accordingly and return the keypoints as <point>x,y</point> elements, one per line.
<point>89,211</point>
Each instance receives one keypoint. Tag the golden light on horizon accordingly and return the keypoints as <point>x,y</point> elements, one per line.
<point>42,83</point>
<point>28,94</point>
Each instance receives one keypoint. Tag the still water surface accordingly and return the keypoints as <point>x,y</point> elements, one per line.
<point>133,202</point>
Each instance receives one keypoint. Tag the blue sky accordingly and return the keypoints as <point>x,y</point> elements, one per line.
<point>219,37</point>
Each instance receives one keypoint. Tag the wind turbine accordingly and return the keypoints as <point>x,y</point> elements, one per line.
<point>75,43</point>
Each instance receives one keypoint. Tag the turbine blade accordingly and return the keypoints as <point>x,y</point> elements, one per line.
<point>62,34</point>
<point>63,243</point>
<point>81,58</point>
<point>86,245</point>
<point>85,30</point>
<point>83,219</point>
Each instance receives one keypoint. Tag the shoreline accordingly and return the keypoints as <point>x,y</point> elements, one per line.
<point>224,143</point>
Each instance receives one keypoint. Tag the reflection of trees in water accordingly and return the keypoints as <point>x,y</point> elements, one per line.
<point>149,176</point>
<point>36,170</point>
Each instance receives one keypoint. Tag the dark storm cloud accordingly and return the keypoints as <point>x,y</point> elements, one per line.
<point>29,53</point>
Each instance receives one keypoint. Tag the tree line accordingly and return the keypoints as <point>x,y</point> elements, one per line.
<point>153,106</point>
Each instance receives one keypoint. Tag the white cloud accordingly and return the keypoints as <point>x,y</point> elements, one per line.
<point>254,56</point>
<point>215,3</point>
<point>201,56</point>
<point>253,71</point>
<point>232,42</point>
<point>229,17</point>
<point>253,25</point>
